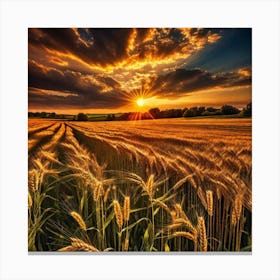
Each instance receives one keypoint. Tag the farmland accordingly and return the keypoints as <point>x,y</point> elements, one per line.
<point>151,185</point>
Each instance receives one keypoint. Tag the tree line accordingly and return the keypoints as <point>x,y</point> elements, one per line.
<point>156,113</point>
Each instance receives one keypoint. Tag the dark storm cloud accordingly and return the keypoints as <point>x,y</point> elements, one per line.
<point>185,81</point>
<point>99,46</point>
<point>78,89</point>
<point>108,46</point>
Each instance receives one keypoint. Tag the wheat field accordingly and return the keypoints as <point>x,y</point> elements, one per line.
<point>155,185</point>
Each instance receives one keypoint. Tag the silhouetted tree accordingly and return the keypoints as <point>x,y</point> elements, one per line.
<point>189,113</point>
<point>52,115</point>
<point>211,109</point>
<point>110,117</point>
<point>247,111</point>
<point>200,111</point>
<point>192,112</point>
<point>43,115</point>
<point>155,112</point>
<point>82,117</point>
<point>125,116</point>
<point>229,110</point>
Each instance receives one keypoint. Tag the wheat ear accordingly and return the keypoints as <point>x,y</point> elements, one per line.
<point>126,208</point>
<point>78,245</point>
<point>185,234</point>
<point>209,198</point>
<point>202,234</point>
<point>118,213</point>
<point>78,218</point>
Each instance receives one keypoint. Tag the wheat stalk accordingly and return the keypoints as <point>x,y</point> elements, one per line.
<point>29,201</point>
<point>161,204</point>
<point>202,197</point>
<point>126,245</point>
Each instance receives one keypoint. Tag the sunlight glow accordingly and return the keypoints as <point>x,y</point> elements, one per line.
<point>140,102</point>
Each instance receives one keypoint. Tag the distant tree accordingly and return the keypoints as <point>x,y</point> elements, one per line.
<point>43,115</point>
<point>178,113</point>
<point>82,117</point>
<point>125,116</point>
<point>189,113</point>
<point>52,115</point>
<point>192,112</point>
<point>208,113</point>
<point>155,112</point>
<point>247,111</point>
<point>211,109</point>
<point>110,117</point>
<point>200,111</point>
<point>146,116</point>
<point>184,110</point>
<point>229,110</point>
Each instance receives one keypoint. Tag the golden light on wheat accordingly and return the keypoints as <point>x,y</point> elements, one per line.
<point>162,185</point>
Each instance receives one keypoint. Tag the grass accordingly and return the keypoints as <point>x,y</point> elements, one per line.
<point>160,185</point>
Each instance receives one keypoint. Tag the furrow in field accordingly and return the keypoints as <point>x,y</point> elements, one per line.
<point>38,128</point>
<point>41,137</point>
<point>177,136</point>
<point>46,140</point>
<point>116,148</point>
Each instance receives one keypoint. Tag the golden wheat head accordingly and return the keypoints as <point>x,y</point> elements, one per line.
<point>78,245</point>
<point>118,213</point>
<point>80,221</point>
<point>202,234</point>
<point>185,234</point>
<point>126,209</point>
<point>209,199</point>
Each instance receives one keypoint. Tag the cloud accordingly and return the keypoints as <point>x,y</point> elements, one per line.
<point>50,86</point>
<point>106,67</point>
<point>114,46</point>
<point>182,81</point>
<point>94,46</point>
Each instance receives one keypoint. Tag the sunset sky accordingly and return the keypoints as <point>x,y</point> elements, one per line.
<point>109,70</point>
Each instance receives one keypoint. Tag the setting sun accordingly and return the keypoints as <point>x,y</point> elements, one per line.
<point>140,102</point>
